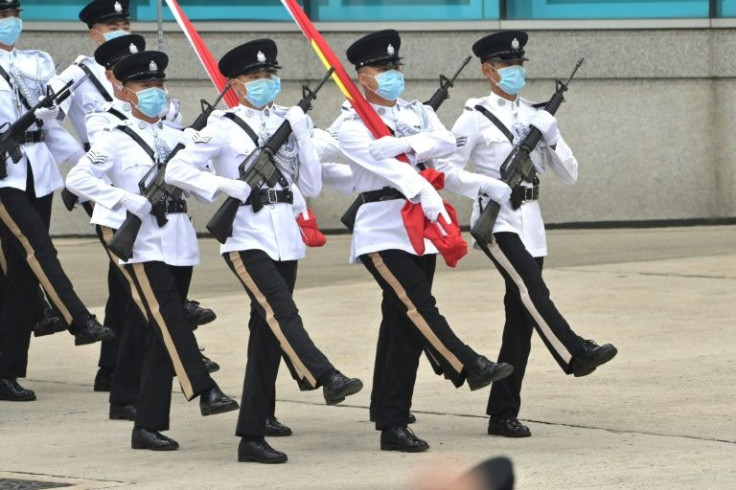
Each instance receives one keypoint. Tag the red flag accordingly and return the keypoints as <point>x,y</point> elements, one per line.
<point>451,240</point>
<point>203,52</point>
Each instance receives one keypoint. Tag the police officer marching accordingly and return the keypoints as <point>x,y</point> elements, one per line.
<point>493,124</point>
<point>108,20</point>
<point>25,210</point>
<point>265,244</point>
<point>411,321</point>
<point>163,256</point>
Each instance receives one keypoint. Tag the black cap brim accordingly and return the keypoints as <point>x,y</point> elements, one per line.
<point>137,67</point>
<point>250,57</point>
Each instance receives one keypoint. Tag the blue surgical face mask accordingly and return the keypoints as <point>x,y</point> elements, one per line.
<point>390,84</point>
<point>110,35</point>
<point>513,79</point>
<point>10,29</point>
<point>151,101</point>
<point>262,91</point>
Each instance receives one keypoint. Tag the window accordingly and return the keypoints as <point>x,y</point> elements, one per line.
<point>405,10</point>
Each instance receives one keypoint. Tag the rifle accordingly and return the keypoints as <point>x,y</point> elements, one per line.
<point>440,95</point>
<point>157,191</point>
<point>259,169</point>
<point>10,139</point>
<point>518,166</point>
<point>443,93</point>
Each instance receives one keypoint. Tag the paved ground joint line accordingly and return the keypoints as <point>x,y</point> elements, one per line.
<point>544,422</point>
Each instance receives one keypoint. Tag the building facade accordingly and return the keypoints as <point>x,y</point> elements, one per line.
<point>649,115</point>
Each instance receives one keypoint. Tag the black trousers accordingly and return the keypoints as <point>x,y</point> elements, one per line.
<point>276,329</point>
<point>126,314</point>
<point>116,307</point>
<point>170,344</point>
<point>31,258</point>
<point>528,306</point>
<point>410,324</point>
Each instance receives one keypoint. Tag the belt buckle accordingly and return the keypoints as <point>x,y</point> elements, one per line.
<point>273,198</point>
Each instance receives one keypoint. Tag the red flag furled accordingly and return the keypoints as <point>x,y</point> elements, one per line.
<point>445,236</point>
<point>203,52</point>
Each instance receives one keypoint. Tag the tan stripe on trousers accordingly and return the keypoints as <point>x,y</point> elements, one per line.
<point>140,275</point>
<point>556,343</point>
<point>3,261</point>
<point>107,236</point>
<point>35,265</point>
<point>411,311</point>
<point>271,321</point>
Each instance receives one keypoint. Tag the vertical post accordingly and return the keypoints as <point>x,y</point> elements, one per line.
<point>160,22</point>
<point>308,8</point>
<point>713,9</point>
<point>501,9</point>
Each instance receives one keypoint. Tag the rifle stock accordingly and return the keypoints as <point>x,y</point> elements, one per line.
<point>220,225</point>
<point>157,192</point>
<point>262,171</point>
<point>517,166</point>
<point>68,198</point>
<point>122,241</point>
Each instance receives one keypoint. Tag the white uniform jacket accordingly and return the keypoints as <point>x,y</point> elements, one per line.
<point>87,96</point>
<point>99,123</point>
<point>29,73</point>
<point>117,157</point>
<point>486,149</point>
<point>273,229</point>
<point>378,225</point>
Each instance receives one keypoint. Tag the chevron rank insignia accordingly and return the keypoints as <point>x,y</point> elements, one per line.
<point>199,138</point>
<point>97,158</point>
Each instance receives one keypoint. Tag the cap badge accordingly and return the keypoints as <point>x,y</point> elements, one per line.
<point>152,66</point>
<point>261,57</point>
<point>515,44</point>
<point>390,50</point>
<point>118,8</point>
<point>133,48</point>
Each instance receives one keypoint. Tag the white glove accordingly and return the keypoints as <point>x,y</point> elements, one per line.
<point>236,189</point>
<point>136,204</point>
<point>300,205</point>
<point>388,147</point>
<point>173,111</point>
<point>432,204</point>
<point>298,121</point>
<point>547,124</point>
<point>186,136</point>
<point>495,189</point>
<point>47,114</point>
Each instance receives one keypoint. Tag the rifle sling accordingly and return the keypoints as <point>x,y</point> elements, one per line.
<point>533,178</point>
<point>243,125</point>
<point>496,122</point>
<point>141,142</point>
<point>117,114</point>
<point>254,137</point>
<point>92,78</point>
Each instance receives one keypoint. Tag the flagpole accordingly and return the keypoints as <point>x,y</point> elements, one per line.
<point>160,22</point>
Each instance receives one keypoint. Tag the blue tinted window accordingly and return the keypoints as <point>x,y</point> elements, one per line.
<point>605,9</point>
<point>402,10</point>
<point>349,10</point>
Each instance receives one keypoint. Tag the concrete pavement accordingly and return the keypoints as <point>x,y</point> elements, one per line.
<point>660,416</point>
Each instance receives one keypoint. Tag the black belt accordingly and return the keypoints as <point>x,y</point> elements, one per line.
<point>32,137</point>
<point>271,196</point>
<point>521,194</point>
<point>176,206</point>
<point>385,194</point>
